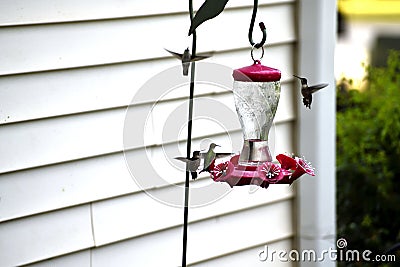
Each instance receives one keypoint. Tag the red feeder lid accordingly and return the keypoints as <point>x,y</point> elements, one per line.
<point>257,73</point>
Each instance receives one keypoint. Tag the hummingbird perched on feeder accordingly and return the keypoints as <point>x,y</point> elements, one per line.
<point>192,164</point>
<point>209,157</point>
<point>186,58</point>
<point>307,91</point>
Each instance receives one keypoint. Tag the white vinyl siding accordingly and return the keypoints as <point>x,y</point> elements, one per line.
<point>68,71</point>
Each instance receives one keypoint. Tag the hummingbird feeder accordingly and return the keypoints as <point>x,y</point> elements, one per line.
<point>256,91</point>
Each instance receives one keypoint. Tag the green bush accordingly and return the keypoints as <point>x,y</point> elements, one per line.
<point>368,160</point>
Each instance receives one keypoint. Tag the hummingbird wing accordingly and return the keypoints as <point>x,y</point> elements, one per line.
<point>201,56</point>
<point>223,155</point>
<point>183,159</point>
<point>314,88</point>
<point>177,55</point>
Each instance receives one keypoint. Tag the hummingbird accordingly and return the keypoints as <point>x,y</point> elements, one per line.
<point>192,164</point>
<point>186,58</point>
<point>209,157</point>
<point>307,91</point>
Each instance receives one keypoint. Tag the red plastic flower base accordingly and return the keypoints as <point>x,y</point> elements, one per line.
<point>289,170</point>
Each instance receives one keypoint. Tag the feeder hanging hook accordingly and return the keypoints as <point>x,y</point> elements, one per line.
<point>262,27</point>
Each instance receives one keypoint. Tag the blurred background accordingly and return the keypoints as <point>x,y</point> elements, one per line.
<point>367,30</point>
<point>367,72</point>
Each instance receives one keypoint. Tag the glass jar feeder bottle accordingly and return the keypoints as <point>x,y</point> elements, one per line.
<point>256,90</point>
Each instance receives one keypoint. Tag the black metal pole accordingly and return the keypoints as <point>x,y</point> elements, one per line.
<point>189,142</point>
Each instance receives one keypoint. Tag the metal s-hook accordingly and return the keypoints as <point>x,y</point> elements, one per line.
<point>262,27</point>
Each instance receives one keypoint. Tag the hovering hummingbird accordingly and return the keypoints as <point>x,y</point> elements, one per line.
<point>307,91</point>
<point>209,157</point>
<point>186,58</point>
<point>192,164</point>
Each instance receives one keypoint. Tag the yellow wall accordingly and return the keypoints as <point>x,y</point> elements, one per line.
<point>369,7</point>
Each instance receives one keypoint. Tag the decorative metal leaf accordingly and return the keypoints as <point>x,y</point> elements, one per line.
<point>210,9</point>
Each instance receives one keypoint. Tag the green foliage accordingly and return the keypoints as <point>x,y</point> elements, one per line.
<point>368,159</point>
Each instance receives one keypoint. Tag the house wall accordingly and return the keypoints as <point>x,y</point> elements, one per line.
<point>68,73</point>
<point>316,133</point>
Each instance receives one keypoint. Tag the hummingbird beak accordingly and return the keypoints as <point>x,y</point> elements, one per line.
<point>297,76</point>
